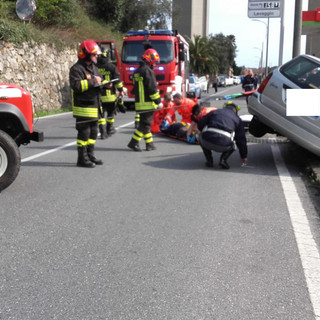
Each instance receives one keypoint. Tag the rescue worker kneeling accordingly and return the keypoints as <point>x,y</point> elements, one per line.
<point>220,131</point>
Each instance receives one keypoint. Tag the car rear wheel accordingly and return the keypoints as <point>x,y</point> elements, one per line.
<point>10,160</point>
<point>257,128</point>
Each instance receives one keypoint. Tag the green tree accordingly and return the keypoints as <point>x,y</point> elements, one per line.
<point>203,56</point>
<point>226,50</point>
<point>57,12</point>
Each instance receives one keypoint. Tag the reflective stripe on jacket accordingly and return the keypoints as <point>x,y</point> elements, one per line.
<point>109,72</point>
<point>85,96</point>
<point>145,90</point>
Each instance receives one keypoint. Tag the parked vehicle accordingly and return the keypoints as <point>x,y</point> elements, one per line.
<point>172,73</point>
<point>16,128</point>
<point>203,83</point>
<point>225,81</point>
<point>236,80</point>
<point>194,85</point>
<point>268,104</point>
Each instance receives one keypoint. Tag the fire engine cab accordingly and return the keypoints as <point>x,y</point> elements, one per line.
<point>172,73</point>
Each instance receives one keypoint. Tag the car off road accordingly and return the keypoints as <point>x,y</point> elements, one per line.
<point>268,104</point>
<point>16,128</point>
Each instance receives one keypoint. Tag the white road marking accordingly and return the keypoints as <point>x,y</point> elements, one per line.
<point>38,155</point>
<point>307,247</point>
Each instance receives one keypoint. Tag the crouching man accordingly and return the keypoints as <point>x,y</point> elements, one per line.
<point>221,130</point>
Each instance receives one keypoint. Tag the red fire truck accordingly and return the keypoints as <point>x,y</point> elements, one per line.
<point>172,73</point>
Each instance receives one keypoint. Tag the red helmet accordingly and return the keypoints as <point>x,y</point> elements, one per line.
<point>88,47</point>
<point>151,56</point>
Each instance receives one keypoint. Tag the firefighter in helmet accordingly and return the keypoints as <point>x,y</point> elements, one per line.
<point>220,131</point>
<point>85,81</point>
<point>109,98</point>
<point>147,99</point>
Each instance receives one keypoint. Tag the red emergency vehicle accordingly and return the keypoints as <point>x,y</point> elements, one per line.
<point>112,51</point>
<point>172,73</point>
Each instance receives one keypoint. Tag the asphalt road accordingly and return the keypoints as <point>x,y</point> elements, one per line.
<point>156,235</point>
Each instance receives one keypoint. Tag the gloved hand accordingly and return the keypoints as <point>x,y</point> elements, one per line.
<point>160,105</point>
<point>191,139</point>
<point>164,125</point>
<point>120,105</point>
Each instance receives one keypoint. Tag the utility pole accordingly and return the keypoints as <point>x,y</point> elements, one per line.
<point>297,29</point>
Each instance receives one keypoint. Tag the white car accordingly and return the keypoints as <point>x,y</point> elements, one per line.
<point>203,83</point>
<point>236,80</point>
<point>268,104</point>
<point>225,81</point>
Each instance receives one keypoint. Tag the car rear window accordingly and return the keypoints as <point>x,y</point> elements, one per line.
<point>303,72</point>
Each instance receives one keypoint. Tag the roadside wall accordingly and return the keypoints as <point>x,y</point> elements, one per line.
<point>42,70</point>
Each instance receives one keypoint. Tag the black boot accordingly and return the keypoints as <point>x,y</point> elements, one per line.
<point>91,155</point>
<point>134,145</point>
<point>223,159</point>
<point>103,133</point>
<point>150,146</point>
<point>110,129</point>
<point>83,159</point>
<point>208,155</point>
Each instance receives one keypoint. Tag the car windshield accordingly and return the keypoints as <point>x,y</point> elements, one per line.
<point>303,72</point>
<point>133,50</point>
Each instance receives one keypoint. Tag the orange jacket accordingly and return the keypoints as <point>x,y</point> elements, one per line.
<point>185,109</point>
<point>166,113</point>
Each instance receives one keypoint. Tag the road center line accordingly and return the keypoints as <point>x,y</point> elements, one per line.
<point>38,155</point>
<point>307,247</point>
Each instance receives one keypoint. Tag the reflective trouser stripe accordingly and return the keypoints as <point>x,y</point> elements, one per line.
<point>81,143</point>
<point>102,121</point>
<point>148,137</point>
<point>137,135</point>
<point>110,120</point>
<point>137,117</point>
<point>91,141</point>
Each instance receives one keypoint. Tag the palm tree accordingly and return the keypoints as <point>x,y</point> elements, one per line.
<point>203,58</point>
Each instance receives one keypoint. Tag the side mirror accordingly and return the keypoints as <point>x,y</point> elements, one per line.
<point>113,55</point>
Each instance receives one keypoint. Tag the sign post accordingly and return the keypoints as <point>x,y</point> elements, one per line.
<point>258,9</point>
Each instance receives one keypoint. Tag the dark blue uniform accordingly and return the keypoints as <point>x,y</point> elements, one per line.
<point>220,129</point>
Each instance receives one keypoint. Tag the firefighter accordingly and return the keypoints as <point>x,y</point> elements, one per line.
<point>85,81</point>
<point>147,99</point>
<point>109,97</point>
<point>220,131</point>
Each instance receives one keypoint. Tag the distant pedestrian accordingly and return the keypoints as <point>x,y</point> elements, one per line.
<point>215,82</point>
<point>248,82</point>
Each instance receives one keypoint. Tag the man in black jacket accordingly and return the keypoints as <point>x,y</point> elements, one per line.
<point>84,82</point>
<point>220,131</point>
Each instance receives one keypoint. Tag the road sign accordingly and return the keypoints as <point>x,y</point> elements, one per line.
<point>264,9</point>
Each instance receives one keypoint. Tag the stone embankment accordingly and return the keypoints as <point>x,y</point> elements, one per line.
<point>42,70</point>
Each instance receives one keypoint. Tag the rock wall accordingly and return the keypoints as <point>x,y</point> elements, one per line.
<point>42,70</point>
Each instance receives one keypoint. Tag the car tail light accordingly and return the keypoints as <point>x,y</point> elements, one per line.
<point>264,83</point>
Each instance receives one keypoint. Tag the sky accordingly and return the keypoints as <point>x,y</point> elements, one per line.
<point>231,17</point>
